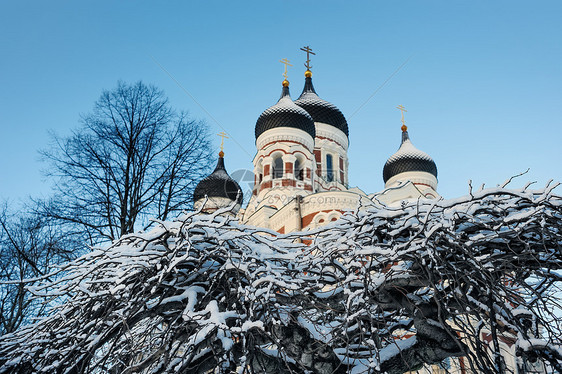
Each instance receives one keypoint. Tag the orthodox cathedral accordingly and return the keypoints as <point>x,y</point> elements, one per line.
<point>301,167</point>
<point>301,175</point>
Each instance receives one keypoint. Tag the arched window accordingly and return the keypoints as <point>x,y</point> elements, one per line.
<point>298,170</point>
<point>329,168</point>
<point>277,170</point>
<point>259,171</point>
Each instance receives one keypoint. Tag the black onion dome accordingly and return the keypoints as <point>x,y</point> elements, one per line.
<point>218,184</point>
<point>321,110</point>
<point>285,114</point>
<point>408,158</point>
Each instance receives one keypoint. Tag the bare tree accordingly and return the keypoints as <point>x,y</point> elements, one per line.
<point>30,247</point>
<point>383,290</point>
<point>132,159</point>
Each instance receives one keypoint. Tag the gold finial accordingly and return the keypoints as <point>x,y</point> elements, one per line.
<point>286,63</point>
<point>402,109</point>
<point>223,136</point>
<point>309,52</point>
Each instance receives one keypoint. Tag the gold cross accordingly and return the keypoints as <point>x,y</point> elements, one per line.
<point>286,62</point>
<point>223,136</point>
<point>402,109</point>
<point>309,52</point>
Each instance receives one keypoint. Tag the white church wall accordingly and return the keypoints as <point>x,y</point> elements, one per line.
<point>416,177</point>
<point>331,141</point>
<point>211,204</point>
<point>284,134</point>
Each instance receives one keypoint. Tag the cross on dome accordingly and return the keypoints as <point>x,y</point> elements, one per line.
<point>223,136</point>
<point>402,109</point>
<point>309,52</point>
<point>287,64</point>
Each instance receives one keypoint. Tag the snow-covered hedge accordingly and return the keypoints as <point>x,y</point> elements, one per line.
<point>383,290</point>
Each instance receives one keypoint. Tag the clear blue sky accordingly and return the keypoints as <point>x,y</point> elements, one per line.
<point>482,86</point>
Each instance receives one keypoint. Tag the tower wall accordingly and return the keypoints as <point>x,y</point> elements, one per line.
<point>293,147</point>
<point>331,141</point>
<point>421,179</point>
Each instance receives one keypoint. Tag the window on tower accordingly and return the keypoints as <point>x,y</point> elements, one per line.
<point>329,168</point>
<point>299,172</point>
<point>277,170</point>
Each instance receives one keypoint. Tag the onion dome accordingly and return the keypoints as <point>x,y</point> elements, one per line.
<point>408,158</point>
<point>218,184</point>
<point>285,114</point>
<point>320,110</point>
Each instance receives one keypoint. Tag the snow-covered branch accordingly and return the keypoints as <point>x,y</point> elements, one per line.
<point>383,290</point>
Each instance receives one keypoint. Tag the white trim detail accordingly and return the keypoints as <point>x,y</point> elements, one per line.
<point>416,177</point>
<point>323,130</point>
<point>279,134</point>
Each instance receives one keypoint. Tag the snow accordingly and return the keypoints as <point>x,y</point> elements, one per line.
<point>204,283</point>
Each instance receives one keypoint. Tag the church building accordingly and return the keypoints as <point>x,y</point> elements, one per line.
<point>301,177</point>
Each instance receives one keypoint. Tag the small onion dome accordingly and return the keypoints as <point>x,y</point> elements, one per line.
<point>408,158</point>
<point>218,184</point>
<point>320,110</point>
<point>285,114</point>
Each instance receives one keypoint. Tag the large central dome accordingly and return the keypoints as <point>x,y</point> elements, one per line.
<point>319,109</point>
<point>285,114</point>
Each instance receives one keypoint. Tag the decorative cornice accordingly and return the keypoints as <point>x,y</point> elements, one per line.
<point>325,131</point>
<point>416,177</point>
<point>280,134</point>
